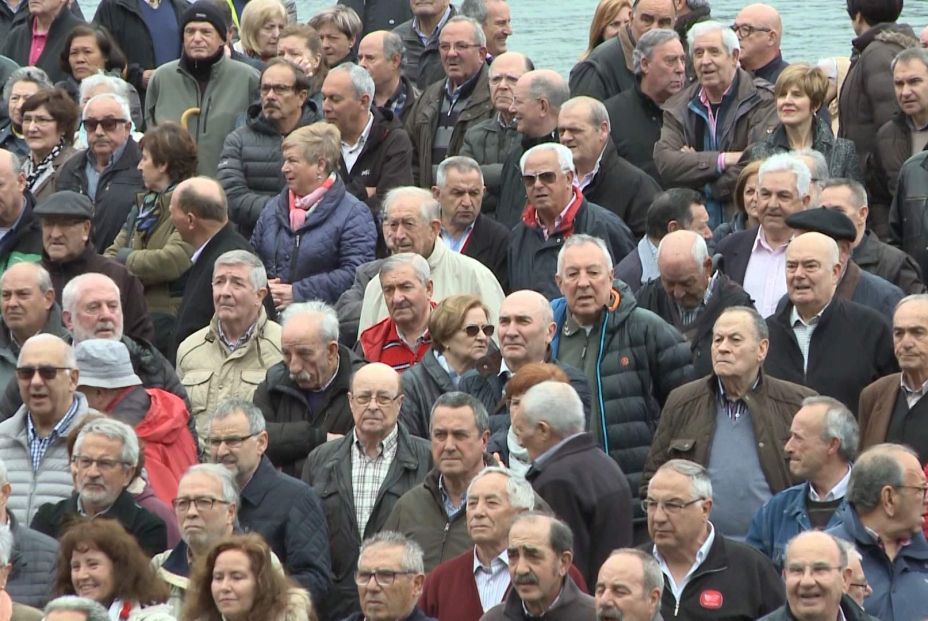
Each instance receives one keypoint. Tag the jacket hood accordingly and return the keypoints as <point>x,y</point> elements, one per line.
<point>259,123</point>
<point>166,418</point>
<point>901,35</point>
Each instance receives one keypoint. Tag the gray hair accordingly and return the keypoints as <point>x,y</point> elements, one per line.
<point>460,163</point>
<point>457,400</point>
<point>233,405</point>
<point>480,38</point>
<point>222,475</point>
<point>119,99</point>
<point>43,280</point>
<point>6,546</point>
<point>650,41</point>
<point>74,289</point>
<point>521,494</point>
<point>393,46</point>
<point>16,162</point>
<point>557,404</point>
<point>582,239</point>
<point>553,89</point>
<point>70,359</point>
<point>418,263</point>
<point>561,538</point>
<point>786,162</point>
<point>361,80</point>
<point>819,170</point>
<point>839,423</point>
<point>564,157</point>
<point>114,85</point>
<point>596,111</point>
<point>701,484</point>
<point>258,274</point>
<point>909,54</point>
<point>328,326</point>
<point>114,430</point>
<point>413,556</point>
<point>850,549</point>
<point>700,250</point>
<point>761,330</point>
<point>344,18</point>
<point>476,9</point>
<point>93,611</point>
<point>652,574</point>
<point>876,468</point>
<point>729,38</point>
<point>26,74</point>
<point>854,187</point>
<point>429,208</point>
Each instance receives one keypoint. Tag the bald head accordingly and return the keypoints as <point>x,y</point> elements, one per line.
<point>759,30</point>
<point>812,271</point>
<point>685,267</point>
<point>198,209</point>
<point>538,97</point>
<point>507,58</point>
<point>376,399</point>
<point>526,327</point>
<point>376,373</point>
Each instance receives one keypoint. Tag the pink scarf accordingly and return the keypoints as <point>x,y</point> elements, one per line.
<point>300,206</point>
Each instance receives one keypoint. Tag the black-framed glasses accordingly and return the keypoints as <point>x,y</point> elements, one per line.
<point>108,124</point>
<point>473,330</point>
<point>670,507</point>
<point>202,503</point>
<point>921,488</point>
<point>365,399</point>
<point>47,373</point>
<point>460,47</point>
<point>383,577</point>
<point>103,464</point>
<point>232,442</point>
<point>280,89</point>
<point>546,178</point>
<point>860,585</point>
<point>744,30</point>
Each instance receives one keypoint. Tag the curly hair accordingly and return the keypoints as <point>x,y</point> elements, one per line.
<point>133,576</point>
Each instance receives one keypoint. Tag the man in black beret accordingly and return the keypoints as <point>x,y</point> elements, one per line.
<point>855,284</point>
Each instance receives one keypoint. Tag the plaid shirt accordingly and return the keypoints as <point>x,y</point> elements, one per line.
<point>39,445</point>
<point>367,475</point>
<point>243,339</point>
<point>734,408</point>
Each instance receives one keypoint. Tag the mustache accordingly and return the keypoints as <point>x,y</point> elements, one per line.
<point>301,376</point>
<point>608,611</point>
<point>528,578</point>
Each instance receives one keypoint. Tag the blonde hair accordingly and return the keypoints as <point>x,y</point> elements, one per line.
<point>606,11</point>
<point>811,82</point>
<point>256,14</point>
<point>320,140</point>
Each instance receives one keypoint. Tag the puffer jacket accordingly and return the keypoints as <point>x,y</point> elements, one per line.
<point>34,558</point>
<point>210,374</point>
<point>249,167</point>
<point>158,258</point>
<point>168,446</point>
<point>488,142</point>
<point>908,229</point>
<point>320,258</point>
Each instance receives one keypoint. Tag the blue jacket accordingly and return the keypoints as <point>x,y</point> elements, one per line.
<point>781,518</point>
<point>900,586</point>
<point>320,258</point>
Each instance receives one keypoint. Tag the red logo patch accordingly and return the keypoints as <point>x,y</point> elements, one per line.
<point>624,361</point>
<point>711,599</point>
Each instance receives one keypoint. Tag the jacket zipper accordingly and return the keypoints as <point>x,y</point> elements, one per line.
<point>293,257</point>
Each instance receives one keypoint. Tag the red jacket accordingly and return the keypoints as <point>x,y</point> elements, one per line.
<point>166,441</point>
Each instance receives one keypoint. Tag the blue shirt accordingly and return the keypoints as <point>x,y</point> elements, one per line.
<point>38,445</point>
<point>165,33</point>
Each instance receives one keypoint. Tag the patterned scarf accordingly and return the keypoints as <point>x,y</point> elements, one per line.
<point>39,172</point>
<point>300,206</point>
<point>150,213</point>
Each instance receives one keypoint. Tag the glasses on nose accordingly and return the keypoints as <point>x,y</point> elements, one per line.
<point>233,442</point>
<point>108,124</point>
<point>460,47</point>
<point>670,507</point>
<point>202,503</point>
<point>744,30</point>
<point>473,330</point>
<point>280,89</point>
<point>546,178</point>
<point>818,570</point>
<point>381,400</point>
<point>103,465</point>
<point>38,120</point>
<point>383,577</point>
<point>922,489</point>
<point>46,373</point>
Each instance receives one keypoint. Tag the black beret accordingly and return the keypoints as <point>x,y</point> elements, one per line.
<point>830,222</point>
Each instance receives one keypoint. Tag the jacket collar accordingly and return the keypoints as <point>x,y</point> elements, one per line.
<point>261,482</point>
<point>568,597</point>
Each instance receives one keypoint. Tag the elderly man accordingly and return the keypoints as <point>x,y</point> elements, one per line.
<point>421,37</point>
<point>583,486</point>
<point>703,569</point>
<point>434,513</point>
<point>605,177</point>
<point>883,519</point>
<point>230,356</point>
<point>815,338</point>
<point>610,69</point>
<point>390,553</point>
<point>760,31</point>
<point>631,358</point>
<point>710,164</point>
<point>822,445</point>
<point>107,171</point>
<point>73,608</point>
<point>495,19</point>
<point>204,79</point>
<point>237,439</point>
<point>635,115</point>
<point>67,222</point>
<point>869,252</point>
<point>690,293</point>
<point>540,553</point>
<point>48,23</point>
<point>556,210</point>
<point>304,397</point>
<point>672,210</point>
<point>756,258</point>
<point>629,587</point>
<point>449,107</point>
<point>105,458</point>
<point>249,167</point>
<point>32,442</point>
<point>376,152</point>
<point>738,416</point>
<point>361,476</point>
<point>23,240</point>
<point>206,505</point>
<point>381,55</point>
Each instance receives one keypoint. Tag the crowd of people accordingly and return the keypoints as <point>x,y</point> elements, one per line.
<point>370,317</point>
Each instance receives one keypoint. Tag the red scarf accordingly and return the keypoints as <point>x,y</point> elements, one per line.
<point>566,227</point>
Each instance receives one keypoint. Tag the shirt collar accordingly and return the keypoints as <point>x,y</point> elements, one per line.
<point>362,138</point>
<point>724,396</point>
<point>701,554</point>
<point>502,558</point>
<point>588,178</point>
<point>920,391</point>
<point>836,492</point>
<point>60,426</point>
<point>761,242</point>
<point>538,461</point>
<point>114,156</point>
<point>384,446</point>
<point>794,317</point>
<point>426,39</point>
<point>233,345</point>
<point>452,374</point>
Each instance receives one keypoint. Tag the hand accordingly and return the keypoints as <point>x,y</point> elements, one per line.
<point>281,293</point>
<point>732,157</point>
<point>146,76</point>
<point>499,460</point>
<point>370,191</point>
<point>333,436</point>
<point>687,149</point>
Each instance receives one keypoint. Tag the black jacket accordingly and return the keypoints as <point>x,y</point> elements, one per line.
<point>489,244</point>
<point>34,558</point>
<point>147,528</point>
<point>288,514</point>
<point>19,40</point>
<point>843,358</point>
<point>9,19</point>
<point>422,385</point>
<point>852,612</point>
<point>415,615</point>
<point>328,470</point>
<point>293,430</point>
<point>908,227</point>
<point>604,73</point>
<point>636,122</point>
<point>379,14</point>
<point>512,197</point>
<point>888,262</point>
<point>23,242</point>
<point>623,189</point>
<point>116,191</point>
<point>736,253</point>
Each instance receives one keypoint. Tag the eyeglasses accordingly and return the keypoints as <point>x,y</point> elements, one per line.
<point>232,442</point>
<point>46,373</point>
<point>818,570</point>
<point>670,507</point>
<point>546,178</point>
<point>860,585</point>
<point>474,330</point>
<point>202,503</point>
<point>460,47</point>
<point>38,120</point>
<point>921,488</point>
<point>743,31</point>
<point>280,89</point>
<point>383,577</point>
<point>103,465</point>
<point>108,124</point>
<point>381,400</point>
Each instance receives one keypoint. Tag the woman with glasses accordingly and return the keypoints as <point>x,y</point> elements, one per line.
<point>49,120</point>
<point>237,581</point>
<point>261,24</point>
<point>20,86</point>
<point>461,331</point>
<point>99,560</point>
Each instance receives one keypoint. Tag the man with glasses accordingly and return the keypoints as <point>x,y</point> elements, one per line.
<point>282,509</point>
<point>362,475</point>
<point>857,587</point>
<point>104,462</point>
<point>389,579</point>
<point>760,30</point>
<point>703,571</point>
<point>883,519</point>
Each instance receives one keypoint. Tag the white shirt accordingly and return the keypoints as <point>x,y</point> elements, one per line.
<point>836,492</point>
<point>351,152</point>
<point>803,330</point>
<point>701,554</point>
<point>493,581</point>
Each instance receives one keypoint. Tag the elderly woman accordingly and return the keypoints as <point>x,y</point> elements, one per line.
<point>20,86</point>
<point>314,235</point>
<point>99,560</point>
<point>461,330</point>
<point>49,118</point>
<point>745,195</point>
<point>237,581</point>
<point>301,45</point>
<point>609,17</point>
<point>800,91</point>
<point>261,24</point>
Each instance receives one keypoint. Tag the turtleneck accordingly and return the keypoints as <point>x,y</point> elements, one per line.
<point>200,68</point>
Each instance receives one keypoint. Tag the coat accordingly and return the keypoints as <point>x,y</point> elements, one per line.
<point>422,62</point>
<point>607,71</point>
<point>487,143</point>
<point>908,229</point>
<point>636,122</point>
<point>571,604</point>
<point>293,430</point>
<point>318,259</point>
<point>34,558</point>
<point>869,290</point>
<point>892,148</point>
<point>842,357</point>
<point>512,195</point>
<point>489,244</point>
<point>23,242</point>
<point>328,471</point>
<point>422,384</point>
<point>889,263</point>
<point>19,40</point>
<point>623,189</point>
<point>849,609</point>
<point>116,191</point>
<point>877,402</point>
<point>736,252</point>
<point>48,186</point>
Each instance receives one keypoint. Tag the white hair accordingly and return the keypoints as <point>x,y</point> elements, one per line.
<point>521,495</point>
<point>564,157</point>
<point>785,162</point>
<point>699,249</point>
<point>328,327</point>
<point>119,99</point>
<point>114,430</point>
<point>418,263</point>
<point>114,85</point>
<point>729,38</point>
<point>361,80</point>
<point>257,273</point>
<point>557,404</point>
<point>581,239</point>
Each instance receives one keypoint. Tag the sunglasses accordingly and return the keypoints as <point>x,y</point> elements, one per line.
<point>46,373</point>
<point>108,124</point>
<point>546,178</point>
<point>474,330</point>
